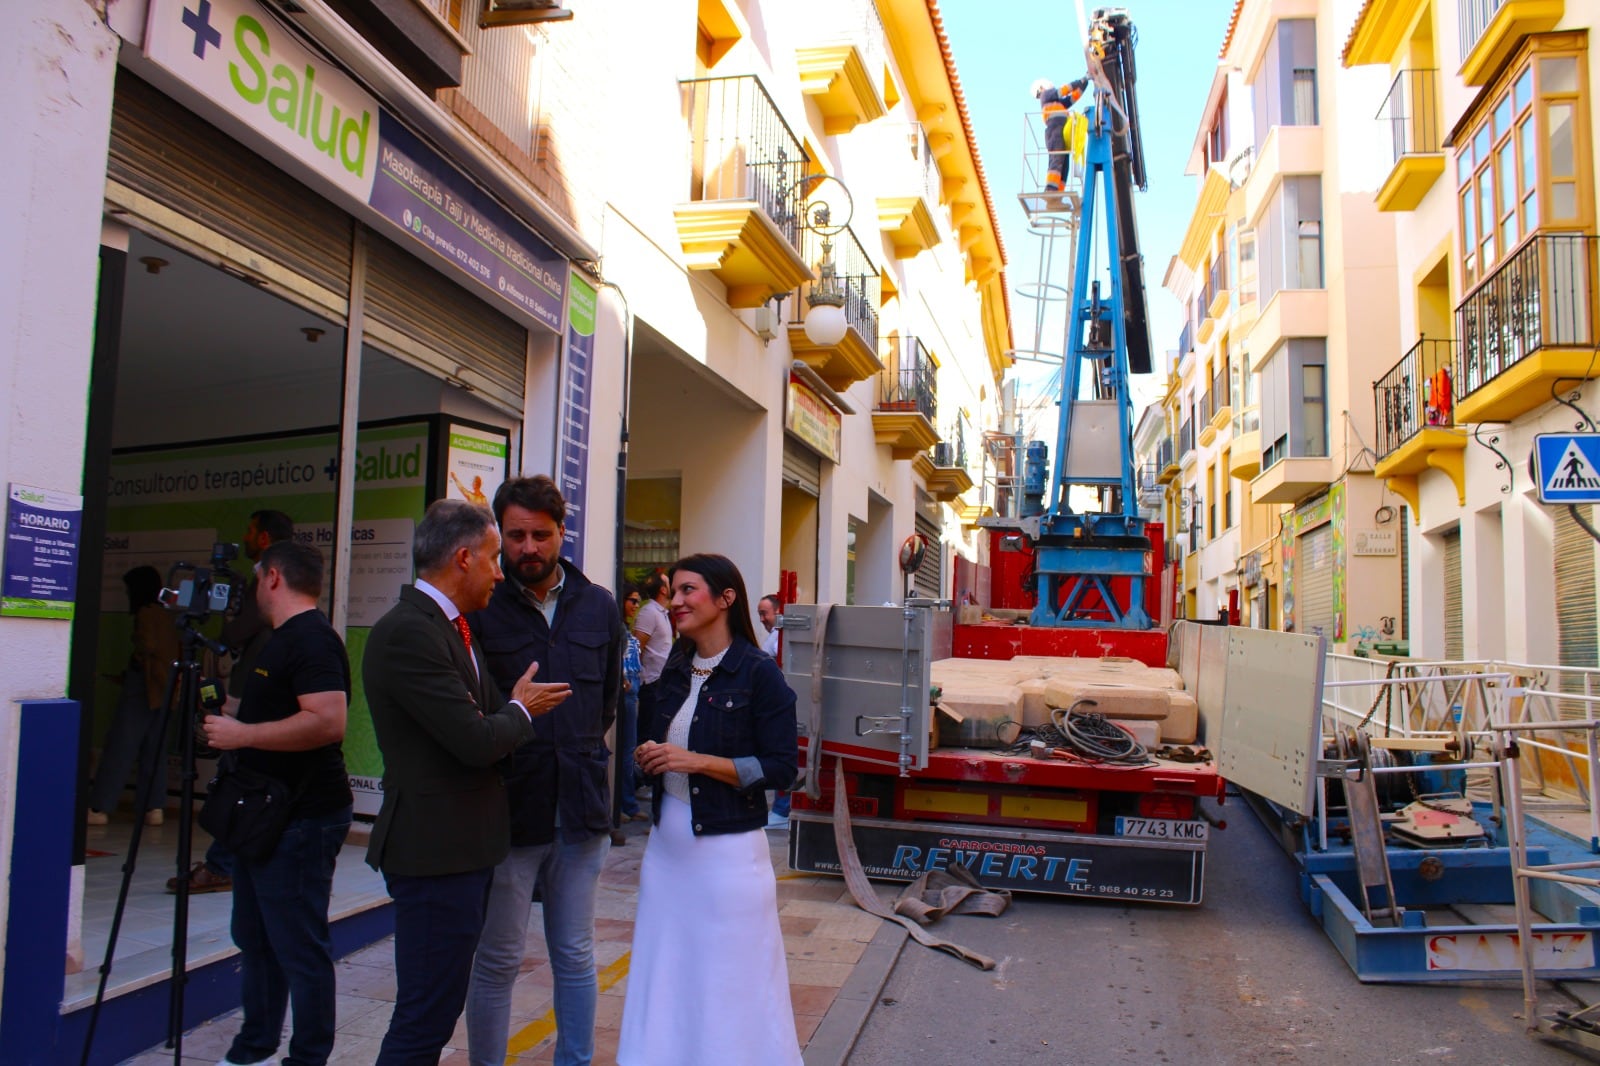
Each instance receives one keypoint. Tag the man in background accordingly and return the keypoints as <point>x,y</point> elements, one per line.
<point>652,627</point>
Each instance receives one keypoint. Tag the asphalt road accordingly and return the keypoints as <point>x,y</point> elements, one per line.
<point>1245,978</point>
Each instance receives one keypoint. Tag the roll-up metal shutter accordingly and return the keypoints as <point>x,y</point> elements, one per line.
<point>802,467</point>
<point>928,581</point>
<point>187,183</point>
<point>1313,593</point>
<point>1575,604</point>
<point>420,315</point>
<point>1455,644</point>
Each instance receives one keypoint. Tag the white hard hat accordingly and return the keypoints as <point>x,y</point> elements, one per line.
<point>1042,86</point>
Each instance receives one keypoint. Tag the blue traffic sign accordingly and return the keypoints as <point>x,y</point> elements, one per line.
<point>1566,467</point>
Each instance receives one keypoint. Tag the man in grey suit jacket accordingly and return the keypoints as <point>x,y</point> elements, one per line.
<point>441,726</point>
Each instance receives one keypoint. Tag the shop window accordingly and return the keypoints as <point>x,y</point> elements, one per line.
<point>1520,163</point>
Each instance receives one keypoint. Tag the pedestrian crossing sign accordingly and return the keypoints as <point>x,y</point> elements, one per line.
<point>1566,467</point>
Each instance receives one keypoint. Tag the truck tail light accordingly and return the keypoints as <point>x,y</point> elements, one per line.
<point>1165,805</point>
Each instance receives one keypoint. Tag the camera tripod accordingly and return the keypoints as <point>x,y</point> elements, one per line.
<point>185,680</point>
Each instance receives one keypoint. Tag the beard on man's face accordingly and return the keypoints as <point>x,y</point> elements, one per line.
<point>530,570</point>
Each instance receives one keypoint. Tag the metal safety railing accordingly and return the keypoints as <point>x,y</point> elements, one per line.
<point>1411,112</point>
<point>1473,18</point>
<point>1405,396</point>
<point>1542,296</point>
<point>910,385</point>
<point>1529,731</point>
<point>854,275</point>
<point>742,149</point>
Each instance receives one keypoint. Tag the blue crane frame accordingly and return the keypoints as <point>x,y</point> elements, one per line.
<point>1077,555</point>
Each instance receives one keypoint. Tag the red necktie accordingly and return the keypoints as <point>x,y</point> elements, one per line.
<point>465,631</point>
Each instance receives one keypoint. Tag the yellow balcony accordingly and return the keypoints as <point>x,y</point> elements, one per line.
<point>902,418</point>
<point>1416,431</point>
<point>736,241</point>
<point>838,78</point>
<point>1223,416</point>
<point>1292,480</point>
<point>1208,326</point>
<point>1492,43</point>
<point>907,433</point>
<point>1409,118</point>
<point>1208,435</point>
<point>1409,181</point>
<point>840,365</point>
<point>1244,455</point>
<point>946,483</point>
<point>908,220</point>
<point>1290,313</point>
<point>1529,325</point>
<point>854,358</point>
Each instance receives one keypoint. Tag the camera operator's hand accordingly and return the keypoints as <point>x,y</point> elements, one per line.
<point>225,733</point>
<point>539,698</point>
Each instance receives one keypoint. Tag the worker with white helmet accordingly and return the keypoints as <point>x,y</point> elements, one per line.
<point>1055,102</point>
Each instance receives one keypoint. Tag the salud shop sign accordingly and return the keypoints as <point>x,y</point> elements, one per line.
<point>810,419</point>
<point>243,60</point>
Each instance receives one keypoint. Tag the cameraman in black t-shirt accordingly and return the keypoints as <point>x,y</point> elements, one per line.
<point>290,723</point>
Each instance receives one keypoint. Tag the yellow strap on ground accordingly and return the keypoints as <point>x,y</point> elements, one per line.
<point>535,1032</point>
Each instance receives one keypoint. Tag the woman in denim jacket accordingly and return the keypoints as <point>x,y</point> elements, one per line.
<point>706,932</point>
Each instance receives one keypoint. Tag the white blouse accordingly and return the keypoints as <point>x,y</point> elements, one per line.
<point>675,783</point>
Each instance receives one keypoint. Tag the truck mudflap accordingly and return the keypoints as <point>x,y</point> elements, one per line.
<point>1022,860</point>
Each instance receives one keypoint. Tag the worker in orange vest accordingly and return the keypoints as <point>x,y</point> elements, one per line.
<point>1055,102</point>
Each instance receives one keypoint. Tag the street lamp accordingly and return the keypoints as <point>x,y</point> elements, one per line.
<point>825,322</point>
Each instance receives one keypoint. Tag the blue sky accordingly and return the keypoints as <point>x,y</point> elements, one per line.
<point>1002,46</point>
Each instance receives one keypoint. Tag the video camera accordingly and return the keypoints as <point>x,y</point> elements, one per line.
<point>200,590</point>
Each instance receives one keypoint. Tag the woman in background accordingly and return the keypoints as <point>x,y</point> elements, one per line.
<point>136,723</point>
<point>708,980</point>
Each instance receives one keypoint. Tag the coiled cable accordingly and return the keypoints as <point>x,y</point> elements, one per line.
<point>1090,734</point>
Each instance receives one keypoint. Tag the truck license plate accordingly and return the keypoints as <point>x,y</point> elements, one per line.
<point>1162,829</point>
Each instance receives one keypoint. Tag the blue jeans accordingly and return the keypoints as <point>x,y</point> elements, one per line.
<point>280,923</point>
<point>568,876</point>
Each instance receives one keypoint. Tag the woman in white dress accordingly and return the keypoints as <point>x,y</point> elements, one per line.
<point>708,982</point>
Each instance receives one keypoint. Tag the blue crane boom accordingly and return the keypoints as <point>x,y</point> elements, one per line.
<point>1090,566</point>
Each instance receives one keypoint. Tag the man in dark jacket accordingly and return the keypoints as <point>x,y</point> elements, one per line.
<point>548,613</point>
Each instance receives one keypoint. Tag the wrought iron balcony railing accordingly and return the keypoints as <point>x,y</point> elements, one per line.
<point>910,386</point>
<point>1219,389</point>
<point>1185,439</point>
<point>1543,296</point>
<point>1411,113</point>
<point>1164,454</point>
<point>855,275</point>
<point>1415,394</point>
<point>1186,339</point>
<point>951,451</point>
<point>1473,18</point>
<point>742,149</point>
